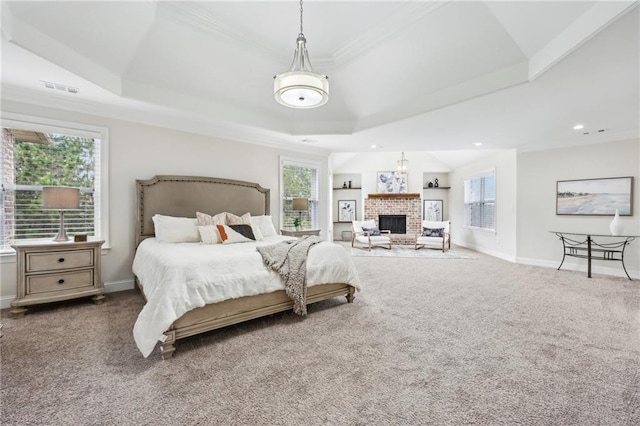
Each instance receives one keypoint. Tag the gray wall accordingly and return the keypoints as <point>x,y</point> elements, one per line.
<point>526,185</point>
<point>537,175</point>
<point>139,151</point>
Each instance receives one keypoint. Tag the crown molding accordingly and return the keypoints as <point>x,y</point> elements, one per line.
<point>408,14</point>
<point>195,16</point>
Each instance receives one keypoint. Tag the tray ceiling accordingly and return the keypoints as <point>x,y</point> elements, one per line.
<point>405,75</point>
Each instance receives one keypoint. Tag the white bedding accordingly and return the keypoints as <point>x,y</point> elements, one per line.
<point>179,277</point>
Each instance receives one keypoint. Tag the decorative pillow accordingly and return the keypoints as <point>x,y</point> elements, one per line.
<point>430,232</point>
<point>232,219</point>
<point>205,219</point>
<point>209,234</point>
<point>265,223</point>
<point>257,232</point>
<point>359,225</point>
<point>244,230</point>
<point>171,229</point>
<point>373,232</point>
<point>229,236</point>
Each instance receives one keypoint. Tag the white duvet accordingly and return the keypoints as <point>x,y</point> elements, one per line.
<point>179,277</point>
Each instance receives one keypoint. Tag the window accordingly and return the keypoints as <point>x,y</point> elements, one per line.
<point>300,180</point>
<point>480,201</point>
<point>37,153</point>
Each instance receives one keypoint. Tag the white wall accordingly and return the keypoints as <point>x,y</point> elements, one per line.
<point>368,164</point>
<point>538,173</point>
<point>139,152</point>
<point>502,242</point>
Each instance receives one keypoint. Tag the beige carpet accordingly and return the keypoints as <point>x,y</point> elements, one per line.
<point>429,341</point>
<point>410,251</point>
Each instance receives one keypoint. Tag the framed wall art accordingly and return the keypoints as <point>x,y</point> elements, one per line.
<point>432,210</point>
<point>346,210</point>
<point>595,197</point>
<point>391,183</point>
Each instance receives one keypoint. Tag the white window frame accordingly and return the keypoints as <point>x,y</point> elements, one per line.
<point>481,175</point>
<point>297,162</point>
<point>46,125</point>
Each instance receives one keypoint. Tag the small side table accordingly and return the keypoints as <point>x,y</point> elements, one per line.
<point>291,232</point>
<point>50,272</point>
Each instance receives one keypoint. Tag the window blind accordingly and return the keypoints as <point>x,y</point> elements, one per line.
<point>300,180</point>
<point>480,201</point>
<point>28,164</point>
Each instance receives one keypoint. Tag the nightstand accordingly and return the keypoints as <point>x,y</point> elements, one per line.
<point>50,272</point>
<point>291,232</point>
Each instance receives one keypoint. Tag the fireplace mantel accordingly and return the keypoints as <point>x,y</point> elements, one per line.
<point>394,195</point>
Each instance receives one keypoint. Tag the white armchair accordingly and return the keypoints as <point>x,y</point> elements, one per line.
<point>434,233</point>
<point>366,232</point>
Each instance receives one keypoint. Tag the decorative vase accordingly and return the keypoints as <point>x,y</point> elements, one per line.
<point>435,185</point>
<point>616,225</point>
<point>349,184</point>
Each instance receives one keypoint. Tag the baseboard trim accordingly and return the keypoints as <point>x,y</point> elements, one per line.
<point>492,253</point>
<point>110,287</point>
<point>568,265</point>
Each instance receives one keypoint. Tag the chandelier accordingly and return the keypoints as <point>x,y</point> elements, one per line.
<point>403,165</point>
<point>300,86</point>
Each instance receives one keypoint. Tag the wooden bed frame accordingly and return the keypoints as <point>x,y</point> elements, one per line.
<point>182,196</point>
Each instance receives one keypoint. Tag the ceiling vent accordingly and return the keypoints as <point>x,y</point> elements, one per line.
<point>597,131</point>
<point>58,86</point>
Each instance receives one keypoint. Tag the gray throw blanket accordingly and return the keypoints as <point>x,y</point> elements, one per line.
<point>289,259</point>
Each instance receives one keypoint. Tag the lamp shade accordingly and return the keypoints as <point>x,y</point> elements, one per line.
<point>60,198</point>
<point>300,204</point>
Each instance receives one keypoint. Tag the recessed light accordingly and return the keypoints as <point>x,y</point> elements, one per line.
<point>578,127</point>
<point>373,146</point>
<point>476,143</point>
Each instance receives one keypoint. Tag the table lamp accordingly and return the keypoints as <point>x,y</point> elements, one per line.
<point>60,198</point>
<point>300,205</point>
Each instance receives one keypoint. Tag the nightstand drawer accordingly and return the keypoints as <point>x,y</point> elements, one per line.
<point>59,282</point>
<point>59,260</point>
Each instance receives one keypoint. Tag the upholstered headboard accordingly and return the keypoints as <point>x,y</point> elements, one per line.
<point>183,196</point>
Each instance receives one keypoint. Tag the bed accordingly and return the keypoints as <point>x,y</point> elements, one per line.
<point>178,280</point>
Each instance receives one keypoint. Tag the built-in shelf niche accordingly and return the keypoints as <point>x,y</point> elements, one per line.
<point>440,192</point>
<point>430,177</point>
<point>342,230</point>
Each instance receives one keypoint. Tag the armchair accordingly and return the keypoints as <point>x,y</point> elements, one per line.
<point>366,232</point>
<point>434,233</point>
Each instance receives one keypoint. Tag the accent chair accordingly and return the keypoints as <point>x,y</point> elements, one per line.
<point>365,234</point>
<point>434,233</point>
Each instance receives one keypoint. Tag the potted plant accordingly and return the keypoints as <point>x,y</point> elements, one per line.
<point>297,224</point>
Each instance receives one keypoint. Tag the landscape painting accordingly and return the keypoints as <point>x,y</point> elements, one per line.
<point>596,197</point>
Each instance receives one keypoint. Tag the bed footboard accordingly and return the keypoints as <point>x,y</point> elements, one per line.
<point>233,311</point>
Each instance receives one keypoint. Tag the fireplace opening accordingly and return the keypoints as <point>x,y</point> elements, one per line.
<point>396,223</point>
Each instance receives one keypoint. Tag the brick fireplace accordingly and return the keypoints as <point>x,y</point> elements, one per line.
<point>396,204</point>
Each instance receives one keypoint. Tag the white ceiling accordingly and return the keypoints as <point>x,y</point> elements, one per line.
<point>404,75</point>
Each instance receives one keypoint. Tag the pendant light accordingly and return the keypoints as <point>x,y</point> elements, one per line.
<point>301,87</point>
<point>403,165</point>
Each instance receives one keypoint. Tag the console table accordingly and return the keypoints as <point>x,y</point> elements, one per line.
<point>584,246</point>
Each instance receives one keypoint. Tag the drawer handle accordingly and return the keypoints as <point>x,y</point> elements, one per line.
<point>60,281</point>
<point>61,260</point>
